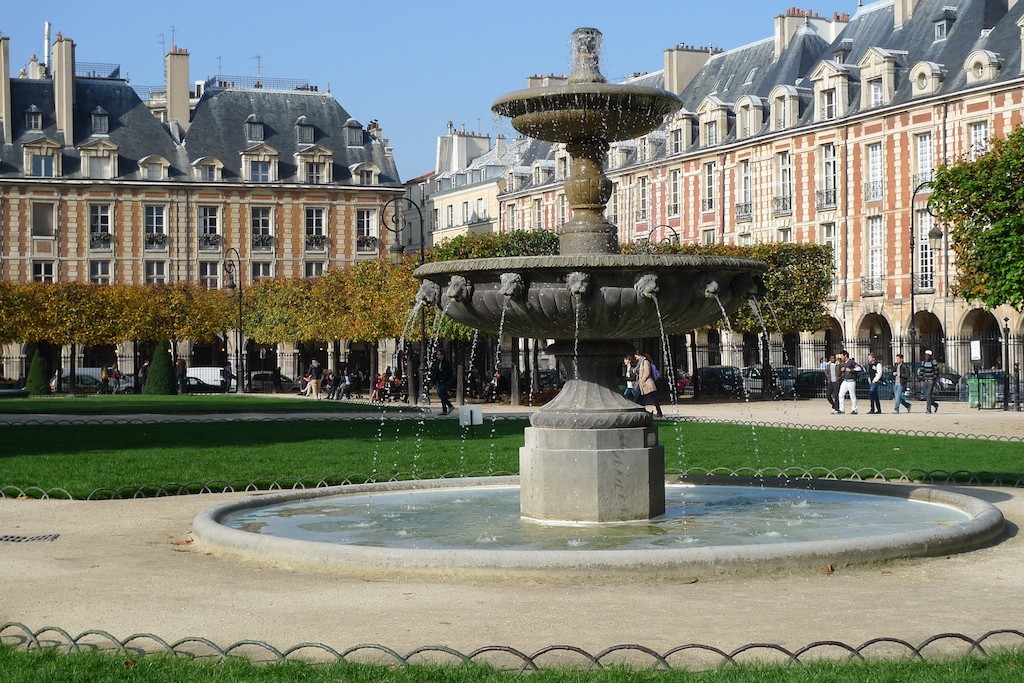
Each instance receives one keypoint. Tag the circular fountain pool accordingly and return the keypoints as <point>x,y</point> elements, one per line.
<point>727,526</point>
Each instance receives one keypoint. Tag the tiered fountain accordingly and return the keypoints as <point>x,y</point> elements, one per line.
<point>591,455</point>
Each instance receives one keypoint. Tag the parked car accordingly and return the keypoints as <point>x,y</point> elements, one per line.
<point>88,381</point>
<point>784,378</point>
<point>720,380</point>
<point>263,380</point>
<point>549,379</point>
<point>810,383</point>
<point>683,380</point>
<point>947,384</point>
<point>194,385</point>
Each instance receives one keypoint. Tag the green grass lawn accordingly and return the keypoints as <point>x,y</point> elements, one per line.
<point>82,459</point>
<point>89,667</point>
<point>132,404</point>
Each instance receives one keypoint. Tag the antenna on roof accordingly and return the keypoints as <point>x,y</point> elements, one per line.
<point>163,44</point>
<point>172,36</point>
<point>259,65</point>
<point>220,66</point>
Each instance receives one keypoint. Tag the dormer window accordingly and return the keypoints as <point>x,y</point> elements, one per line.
<point>828,104</point>
<point>944,22</point>
<point>100,121</point>
<point>253,129</point>
<point>982,65</point>
<point>875,92</point>
<point>353,133</point>
<point>33,118</point>
<point>303,131</point>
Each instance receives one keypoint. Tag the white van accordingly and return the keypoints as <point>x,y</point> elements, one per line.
<point>209,375</point>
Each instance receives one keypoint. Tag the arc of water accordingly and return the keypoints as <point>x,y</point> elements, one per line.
<point>666,350</point>
<point>775,319</point>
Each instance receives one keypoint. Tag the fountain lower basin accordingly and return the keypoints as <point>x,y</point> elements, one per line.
<point>698,535</point>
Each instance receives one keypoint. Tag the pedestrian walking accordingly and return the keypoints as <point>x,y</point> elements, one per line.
<point>874,379</point>
<point>929,376</point>
<point>833,375</point>
<point>848,387</point>
<point>900,383</point>
<point>444,376</point>
<point>645,385</point>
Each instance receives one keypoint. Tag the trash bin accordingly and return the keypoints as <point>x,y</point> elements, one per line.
<point>981,393</point>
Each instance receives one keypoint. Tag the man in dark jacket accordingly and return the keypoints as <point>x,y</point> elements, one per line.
<point>445,377</point>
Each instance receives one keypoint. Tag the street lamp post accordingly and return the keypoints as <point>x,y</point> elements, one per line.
<point>233,271</point>
<point>675,234</point>
<point>913,282</point>
<point>1006,365</point>
<point>395,251</point>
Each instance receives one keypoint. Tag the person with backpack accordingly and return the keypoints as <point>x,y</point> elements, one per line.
<point>851,372</point>
<point>645,385</point>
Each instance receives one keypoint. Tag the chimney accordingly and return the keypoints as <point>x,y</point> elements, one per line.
<point>5,87</point>
<point>64,87</point>
<point>682,64</point>
<point>901,11</point>
<point>176,72</point>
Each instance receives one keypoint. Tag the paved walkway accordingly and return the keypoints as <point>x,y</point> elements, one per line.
<point>129,566</point>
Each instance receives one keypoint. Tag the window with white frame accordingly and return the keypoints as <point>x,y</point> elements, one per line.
<point>42,165</point>
<point>562,164</point>
<point>613,204</point>
<point>830,237</point>
<point>43,219</point>
<point>260,227</point>
<point>33,118</point>
<point>674,192</point>
<point>316,238</point>
<point>676,140</point>
<point>643,150</point>
<point>876,245</point>
<point>155,225</point>
<point>711,133</point>
<point>99,272</point>
<point>313,269</point>
<point>510,217</point>
<point>209,227</point>
<point>785,235</point>
<point>154,170</point>
<point>828,194</point>
<point>783,183</point>
<point>925,158</point>
<point>925,265</point>
<point>538,214</point>
<point>366,230</point>
<point>208,172</point>
<point>465,212</point>
<point>366,177</point>
<point>98,166</point>
<point>876,93</point>
<point>709,174</point>
<point>209,274</point>
<point>156,273</point>
<point>259,171</point>
<point>449,213</point>
<point>873,188</point>
<point>261,270</point>
<point>643,199</point>
<point>828,104</point>
<point>707,236</point>
<point>315,172</point>
<point>744,239</point>
<point>42,271</point>
<point>744,205</point>
<point>562,210</point>
<point>481,209</point>
<point>99,226</point>
<point>979,139</point>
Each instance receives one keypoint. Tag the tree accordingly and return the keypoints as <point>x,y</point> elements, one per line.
<point>160,378</point>
<point>981,201</point>
<point>37,383</point>
<point>796,284</point>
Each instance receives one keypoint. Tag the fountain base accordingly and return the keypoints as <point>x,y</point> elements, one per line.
<point>592,475</point>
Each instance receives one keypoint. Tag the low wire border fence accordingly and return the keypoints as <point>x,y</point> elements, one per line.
<point>691,656</point>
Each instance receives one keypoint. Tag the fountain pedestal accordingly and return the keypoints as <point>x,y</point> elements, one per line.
<point>592,475</point>
<point>591,455</point>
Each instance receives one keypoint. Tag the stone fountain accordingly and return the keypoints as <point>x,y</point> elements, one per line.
<point>591,455</point>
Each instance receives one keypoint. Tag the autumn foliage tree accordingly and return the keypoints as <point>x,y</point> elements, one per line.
<point>981,202</point>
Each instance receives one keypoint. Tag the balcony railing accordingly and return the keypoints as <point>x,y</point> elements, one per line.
<point>782,205</point>
<point>209,241</point>
<point>366,244</point>
<point>924,283</point>
<point>744,211</point>
<point>641,215</point>
<point>871,285</point>
<point>99,240</point>
<point>873,191</point>
<point>262,242</point>
<point>825,199</point>
<point>316,242</point>
<point>923,177</point>
<point>673,209</point>
<point>156,241</point>
<point>707,204</point>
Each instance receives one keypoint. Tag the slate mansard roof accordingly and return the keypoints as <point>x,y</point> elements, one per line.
<point>217,130</point>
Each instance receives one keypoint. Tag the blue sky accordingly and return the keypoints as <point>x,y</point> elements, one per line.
<point>410,64</point>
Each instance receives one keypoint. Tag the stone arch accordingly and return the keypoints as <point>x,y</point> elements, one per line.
<point>982,325</point>
<point>834,337</point>
<point>874,335</point>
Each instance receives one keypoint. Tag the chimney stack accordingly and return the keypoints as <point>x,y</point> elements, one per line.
<point>176,70</point>
<point>5,87</point>
<point>64,87</point>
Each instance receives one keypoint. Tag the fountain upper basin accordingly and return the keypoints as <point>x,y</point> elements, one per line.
<point>584,112</point>
<point>540,295</point>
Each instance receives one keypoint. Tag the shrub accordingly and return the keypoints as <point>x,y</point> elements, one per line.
<point>37,382</point>
<point>160,380</point>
